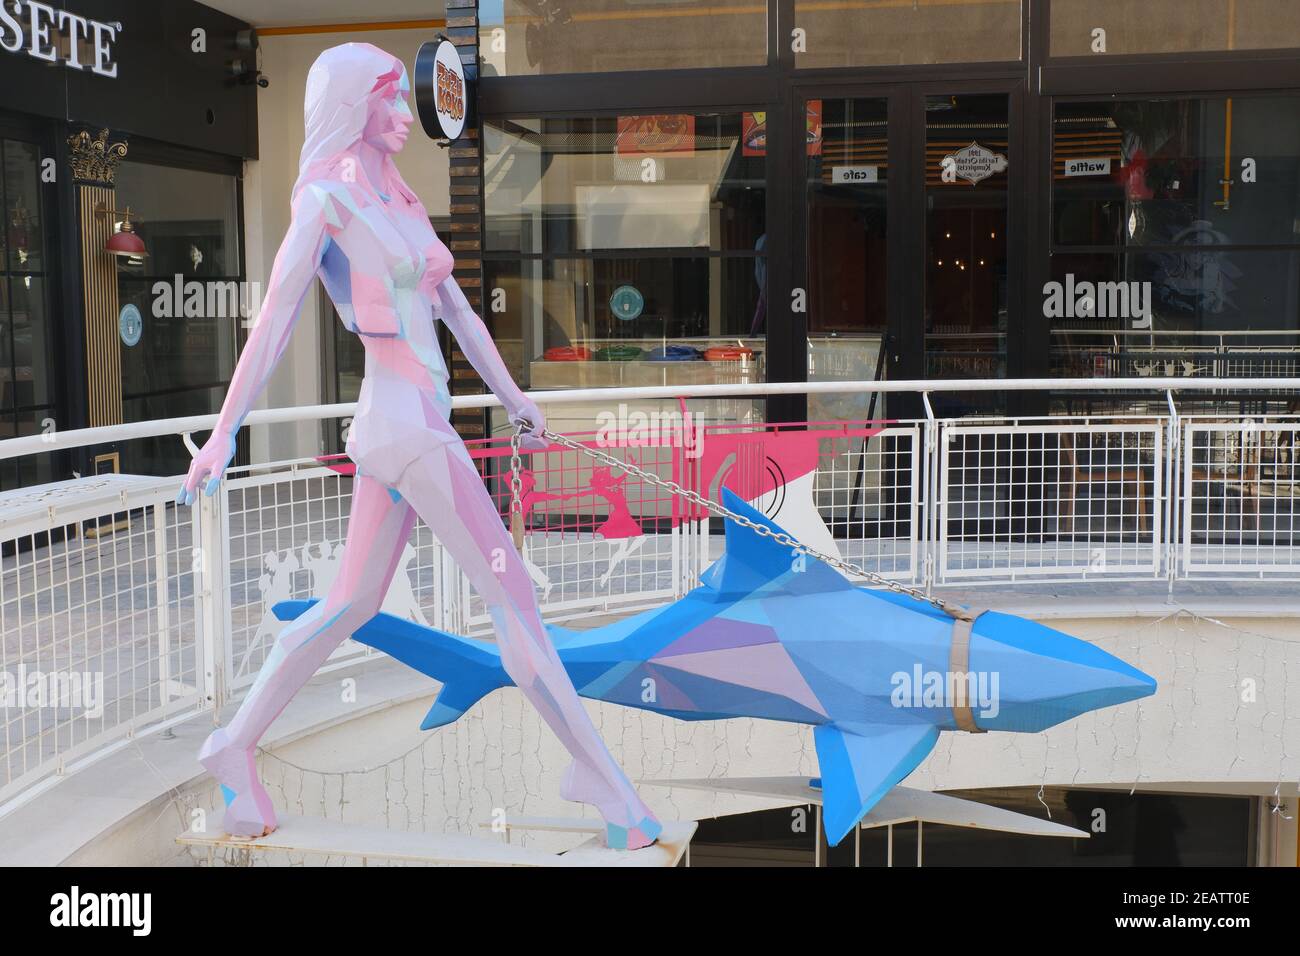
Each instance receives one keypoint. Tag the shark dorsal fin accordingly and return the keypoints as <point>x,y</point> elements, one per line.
<point>753,562</point>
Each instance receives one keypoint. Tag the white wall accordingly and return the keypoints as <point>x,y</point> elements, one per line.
<point>1197,734</point>
<point>267,186</point>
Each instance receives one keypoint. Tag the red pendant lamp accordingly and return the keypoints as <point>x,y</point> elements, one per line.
<point>124,242</point>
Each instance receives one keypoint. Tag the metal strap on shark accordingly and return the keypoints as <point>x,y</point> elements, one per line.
<point>963,619</point>
<point>959,667</point>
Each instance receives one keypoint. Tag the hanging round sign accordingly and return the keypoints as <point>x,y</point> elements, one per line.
<point>130,325</point>
<point>626,303</point>
<point>442,95</point>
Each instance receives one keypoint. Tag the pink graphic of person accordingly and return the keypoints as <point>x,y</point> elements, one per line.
<point>620,525</point>
<point>357,225</point>
<point>528,496</point>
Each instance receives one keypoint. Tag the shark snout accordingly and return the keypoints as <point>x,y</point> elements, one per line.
<point>1046,676</point>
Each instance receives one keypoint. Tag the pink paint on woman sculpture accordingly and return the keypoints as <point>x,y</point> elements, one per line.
<point>359,227</point>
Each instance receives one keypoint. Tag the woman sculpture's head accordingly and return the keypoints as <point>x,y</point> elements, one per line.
<point>355,93</point>
<point>390,118</point>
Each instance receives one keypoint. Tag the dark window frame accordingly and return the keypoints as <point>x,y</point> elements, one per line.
<point>65,391</point>
<point>169,156</point>
<point>772,88</point>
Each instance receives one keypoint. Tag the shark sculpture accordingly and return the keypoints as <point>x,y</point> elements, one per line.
<point>781,636</point>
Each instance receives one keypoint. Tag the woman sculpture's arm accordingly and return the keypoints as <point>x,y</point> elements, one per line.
<point>475,341</point>
<point>291,277</point>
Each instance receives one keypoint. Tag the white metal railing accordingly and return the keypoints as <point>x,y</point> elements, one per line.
<point>100,630</point>
<point>170,606</point>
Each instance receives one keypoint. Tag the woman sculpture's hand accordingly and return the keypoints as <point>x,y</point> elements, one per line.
<point>527,414</point>
<point>209,463</point>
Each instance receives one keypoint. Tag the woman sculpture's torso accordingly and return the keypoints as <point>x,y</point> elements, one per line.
<point>382,265</point>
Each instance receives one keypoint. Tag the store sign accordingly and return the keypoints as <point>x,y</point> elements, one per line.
<point>973,163</point>
<point>753,131</point>
<point>43,33</point>
<point>753,134</point>
<point>627,303</point>
<point>813,128</point>
<point>130,325</point>
<point>853,174</point>
<point>1088,167</point>
<point>649,135</point>
<point>442,93</point>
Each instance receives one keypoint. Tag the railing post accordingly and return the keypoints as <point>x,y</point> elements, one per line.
<point>162,595</point>
<point>930,496</point>
<point>449,590</point>
<point>1173,452</point>
<point>213,597</point>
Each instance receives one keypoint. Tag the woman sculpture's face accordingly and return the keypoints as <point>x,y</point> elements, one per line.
<point>390,119</point>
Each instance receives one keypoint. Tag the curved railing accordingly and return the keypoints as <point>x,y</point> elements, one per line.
<point>121,612</point>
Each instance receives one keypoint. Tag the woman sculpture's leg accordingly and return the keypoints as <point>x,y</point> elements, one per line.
<point>447,491</point>
<point>378,528</point>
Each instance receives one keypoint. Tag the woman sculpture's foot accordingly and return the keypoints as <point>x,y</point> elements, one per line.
<point>249,812</point>
<point>632,827</point>
<point>642,835</point>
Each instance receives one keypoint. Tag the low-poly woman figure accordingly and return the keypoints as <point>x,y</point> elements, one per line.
<point>359,227</point>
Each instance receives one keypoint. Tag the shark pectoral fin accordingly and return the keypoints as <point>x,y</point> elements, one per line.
<point>860,763</point>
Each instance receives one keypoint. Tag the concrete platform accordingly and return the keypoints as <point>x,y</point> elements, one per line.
<point>314,835</point>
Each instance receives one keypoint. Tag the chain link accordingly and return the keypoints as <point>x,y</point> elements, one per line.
<point>713,507</point>
<point>516,467</point>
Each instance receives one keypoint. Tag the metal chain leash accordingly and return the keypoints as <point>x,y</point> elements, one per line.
<point>713,507</point>
<point>516,490</point>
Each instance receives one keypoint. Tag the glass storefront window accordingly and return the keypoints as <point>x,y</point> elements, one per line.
<point>1094,27</point>
<point>579,184</point>
<point>847,199</point>
<point>191,297</point>
<point>542,37</point>
<point>627,250</point>
<point>967,173</point>
<point>887,33</point>
<point>1176,237</point>
<point>26,336</point>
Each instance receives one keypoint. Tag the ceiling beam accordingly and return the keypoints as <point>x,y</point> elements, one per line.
<point>351,27</point>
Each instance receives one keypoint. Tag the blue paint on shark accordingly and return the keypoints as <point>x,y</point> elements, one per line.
<point>769,637</point>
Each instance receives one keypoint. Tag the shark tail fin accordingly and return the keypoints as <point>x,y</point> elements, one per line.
<point>469,670</point>
<point>860,763</point>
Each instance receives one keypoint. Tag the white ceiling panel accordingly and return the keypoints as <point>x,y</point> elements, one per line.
<point>287,13</point>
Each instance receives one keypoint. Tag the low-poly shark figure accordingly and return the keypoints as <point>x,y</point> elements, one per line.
<point>776,635</point>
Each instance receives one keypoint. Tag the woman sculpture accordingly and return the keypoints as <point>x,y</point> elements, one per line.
<point>359,227</point>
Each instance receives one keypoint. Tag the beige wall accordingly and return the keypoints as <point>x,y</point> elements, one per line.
<point>367,763</point>
<point>267,185</point>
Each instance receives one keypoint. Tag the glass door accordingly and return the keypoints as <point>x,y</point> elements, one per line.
<point>844,256</point>
<point>28,396</point>
<point>965,255</point>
